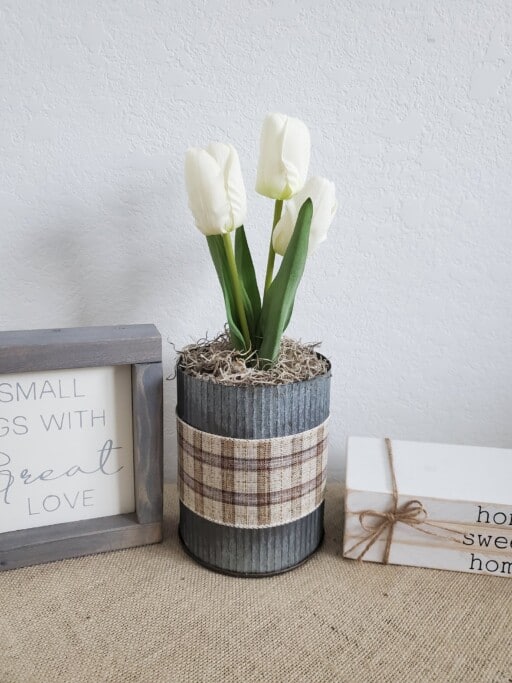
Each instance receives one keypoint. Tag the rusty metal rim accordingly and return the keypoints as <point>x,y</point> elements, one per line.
<point>251,552</point>
<point>248,575</point>
<point>253,412</point>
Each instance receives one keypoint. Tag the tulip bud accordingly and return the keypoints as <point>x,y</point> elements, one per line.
<point>285,147</point>
<point>216,191</point>
<point>323,195</point>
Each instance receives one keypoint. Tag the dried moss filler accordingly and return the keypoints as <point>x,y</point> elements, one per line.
<point>252,452</point>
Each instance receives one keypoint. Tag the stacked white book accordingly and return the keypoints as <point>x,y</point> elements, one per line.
<point>429,505</point>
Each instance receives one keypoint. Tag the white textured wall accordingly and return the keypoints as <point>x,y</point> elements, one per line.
<point>410,107</point>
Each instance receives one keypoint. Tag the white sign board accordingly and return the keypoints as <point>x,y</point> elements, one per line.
<point>66,446</point>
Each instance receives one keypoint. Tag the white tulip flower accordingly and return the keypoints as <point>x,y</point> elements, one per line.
<point>283,163</point>
<point>216,190</point>
<point>323,195</point>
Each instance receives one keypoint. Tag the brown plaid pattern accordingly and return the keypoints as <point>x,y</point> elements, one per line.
<point>251,482</point>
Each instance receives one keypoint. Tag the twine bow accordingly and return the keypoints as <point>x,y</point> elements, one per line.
<point>412,513</point>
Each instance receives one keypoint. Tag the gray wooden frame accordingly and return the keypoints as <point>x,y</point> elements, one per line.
<point>141,347</point>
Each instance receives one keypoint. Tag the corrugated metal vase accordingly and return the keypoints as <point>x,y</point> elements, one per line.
<point>245,412</point>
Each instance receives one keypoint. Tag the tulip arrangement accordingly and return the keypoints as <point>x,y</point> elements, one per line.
<point>217,199</point>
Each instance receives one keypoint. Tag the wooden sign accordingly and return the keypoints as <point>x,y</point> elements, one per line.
<point>80,442</point>
<point>453,506</point>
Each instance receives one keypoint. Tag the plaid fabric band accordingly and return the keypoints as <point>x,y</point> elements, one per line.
<point>251,482</point>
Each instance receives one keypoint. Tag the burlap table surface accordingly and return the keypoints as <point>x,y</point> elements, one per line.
<point>151,614</point>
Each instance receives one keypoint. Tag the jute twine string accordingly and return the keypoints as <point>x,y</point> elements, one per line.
<point>412,513</point>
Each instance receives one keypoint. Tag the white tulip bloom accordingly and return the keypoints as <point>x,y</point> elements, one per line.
<point>215,186</point>
<point>323,195</point>
<point>283,163</point>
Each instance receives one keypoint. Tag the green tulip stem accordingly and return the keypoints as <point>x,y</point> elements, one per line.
<point>237,289</point>
<point>271,253</point>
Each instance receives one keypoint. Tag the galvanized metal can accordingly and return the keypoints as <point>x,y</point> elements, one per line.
<point>252,412</point>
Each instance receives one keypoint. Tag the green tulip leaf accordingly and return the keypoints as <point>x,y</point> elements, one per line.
<point>218,254</point>
<point>247,274</point>
<point>280,296</point>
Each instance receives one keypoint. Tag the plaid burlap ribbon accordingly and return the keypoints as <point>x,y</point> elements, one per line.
<point>251,483</point>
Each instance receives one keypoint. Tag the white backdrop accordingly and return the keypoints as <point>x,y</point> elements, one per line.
<point>409,103</point>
